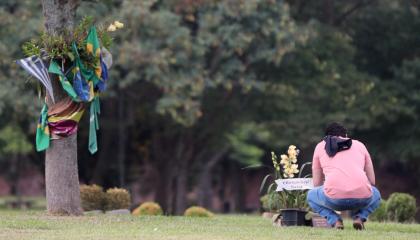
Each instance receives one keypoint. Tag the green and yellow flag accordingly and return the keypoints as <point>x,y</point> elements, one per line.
<point>43,131</point>
<point>92,42</point>
<point>93,47</point>
<point>94,124</point>
<point>68,88</point>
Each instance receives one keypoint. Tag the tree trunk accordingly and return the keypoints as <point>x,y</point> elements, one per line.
<point>237,189</point>
<point>205,188</point>
<point>61,177</point>
<point>61,172</point>
<point>121,139</point>
<point>205,191</point>
<point>105,156</point>
<point>181,189</point>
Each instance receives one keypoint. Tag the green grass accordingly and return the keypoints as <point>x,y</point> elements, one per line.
<point>33,225</point>
<point>37,202</point>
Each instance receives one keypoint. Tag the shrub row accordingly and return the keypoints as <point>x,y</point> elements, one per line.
<point>400,207</point>
<point>94,198</point>
<point>154,209</point>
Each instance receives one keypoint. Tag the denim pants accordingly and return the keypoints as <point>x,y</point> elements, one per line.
<point>359,207</point>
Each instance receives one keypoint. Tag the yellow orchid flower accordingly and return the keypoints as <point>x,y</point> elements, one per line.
<point>111,28</point>
<point>294,168</point>
<point>293,151</point>
<point>118,24</point>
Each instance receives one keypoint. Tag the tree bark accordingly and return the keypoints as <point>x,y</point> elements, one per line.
<point>61,177</point>
<point>205,191</point>
<point>237,189</point>
<point>61,171</point>
<point>181,190</point>
<point>121,139</point>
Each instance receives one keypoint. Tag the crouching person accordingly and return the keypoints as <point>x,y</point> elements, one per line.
<point>343,178</point>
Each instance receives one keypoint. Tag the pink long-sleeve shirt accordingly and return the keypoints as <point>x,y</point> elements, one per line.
<point>349,174</point>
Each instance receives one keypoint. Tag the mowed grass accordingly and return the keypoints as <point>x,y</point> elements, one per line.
<point>21,225</point>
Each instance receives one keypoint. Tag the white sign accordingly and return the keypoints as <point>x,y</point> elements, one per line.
<point>294,184</point>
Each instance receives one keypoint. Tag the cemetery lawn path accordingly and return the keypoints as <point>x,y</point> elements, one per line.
<point>36,225</point>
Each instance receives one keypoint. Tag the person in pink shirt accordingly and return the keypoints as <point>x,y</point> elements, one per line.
<point>343,178</point>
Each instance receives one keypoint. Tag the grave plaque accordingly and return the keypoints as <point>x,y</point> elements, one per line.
<point>320,222</point>
<point>294,184</point>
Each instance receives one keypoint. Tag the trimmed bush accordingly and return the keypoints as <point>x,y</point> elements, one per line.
<point>148,209</point>
<point>401,207</point>
<point>271,202</point>
<point>117,198</point>
<point>198,212</point>
<point>379,214</point>
<point>92,197</point>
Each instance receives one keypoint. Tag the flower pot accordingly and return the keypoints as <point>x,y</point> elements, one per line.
<point>293,217</point>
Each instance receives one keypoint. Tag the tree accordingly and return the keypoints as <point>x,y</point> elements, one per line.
<point>61,171</point>
<point>198,64</point>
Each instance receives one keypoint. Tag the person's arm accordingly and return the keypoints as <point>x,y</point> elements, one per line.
<point>317,174</point>
<point>317,177</point>
<point>370,172</point>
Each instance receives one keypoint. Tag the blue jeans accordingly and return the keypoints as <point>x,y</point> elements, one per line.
<point>325,206</point>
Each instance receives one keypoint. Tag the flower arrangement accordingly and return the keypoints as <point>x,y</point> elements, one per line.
<point>287,167</point>
<point>60,46</point>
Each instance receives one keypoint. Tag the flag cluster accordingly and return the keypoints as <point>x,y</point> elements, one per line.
<point>82,83</point>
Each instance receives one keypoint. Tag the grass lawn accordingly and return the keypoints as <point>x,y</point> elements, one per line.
<point>34,225</point>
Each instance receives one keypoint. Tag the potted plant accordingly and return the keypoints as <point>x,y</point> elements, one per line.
<point>271,204</point>
<point>293,203</point>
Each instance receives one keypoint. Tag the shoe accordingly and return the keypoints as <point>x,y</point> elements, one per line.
<point>358,224</point>
<point>339,225</point>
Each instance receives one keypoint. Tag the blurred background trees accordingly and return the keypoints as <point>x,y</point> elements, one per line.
<point>202,89</point>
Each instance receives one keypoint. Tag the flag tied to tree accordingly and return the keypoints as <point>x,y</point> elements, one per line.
<point>82,80</point>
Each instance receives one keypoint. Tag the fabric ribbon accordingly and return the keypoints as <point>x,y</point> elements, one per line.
<point>64,117</point>
<point>59,121</point>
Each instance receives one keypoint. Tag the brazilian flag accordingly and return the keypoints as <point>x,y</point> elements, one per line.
<point>82,77</point>
<point>42,131</point>
<point>94,124</point>
<point>92,42</point>
<point>68,88</point>
<point>93,47</point>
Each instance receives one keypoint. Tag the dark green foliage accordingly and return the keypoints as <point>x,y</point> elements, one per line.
<point>59,47</point>
<point>401,207</point>
<point>247,75</point>
<point>380,214</point>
